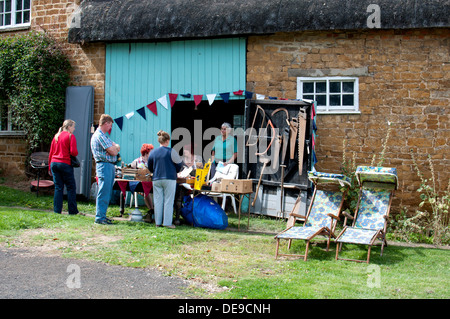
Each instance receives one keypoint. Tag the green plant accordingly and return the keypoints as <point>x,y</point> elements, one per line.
<point>34,74</point>
<point>433,217</point>
<point>348,168</point>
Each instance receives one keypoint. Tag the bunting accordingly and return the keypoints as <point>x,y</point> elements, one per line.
<point>172,98</point>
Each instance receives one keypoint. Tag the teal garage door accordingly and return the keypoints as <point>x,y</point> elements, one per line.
<point>138,75</point>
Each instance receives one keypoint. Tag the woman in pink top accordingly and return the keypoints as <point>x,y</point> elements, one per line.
<point>64,144</point>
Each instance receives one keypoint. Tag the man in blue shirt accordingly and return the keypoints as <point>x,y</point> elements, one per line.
<point>105,154</point>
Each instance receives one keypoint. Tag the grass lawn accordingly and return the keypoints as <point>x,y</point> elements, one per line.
<point>238,264</point>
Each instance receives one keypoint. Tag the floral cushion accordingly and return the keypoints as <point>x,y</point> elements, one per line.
<point>373,207</point>
<point>325,202</point>
<point>320,177</point>
<point>299,232</point>
<point>357,236</point>
<point>376,174</point>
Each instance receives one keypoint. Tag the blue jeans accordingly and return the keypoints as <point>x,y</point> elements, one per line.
<point>105,174</point>
<point>63,175</point>
<point>163,200</point>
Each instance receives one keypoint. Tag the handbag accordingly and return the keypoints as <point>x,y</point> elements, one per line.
<point>74,162</point>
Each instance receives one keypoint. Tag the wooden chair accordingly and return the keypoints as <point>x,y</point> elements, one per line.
<point>377,185</point>
<point>323,212</point>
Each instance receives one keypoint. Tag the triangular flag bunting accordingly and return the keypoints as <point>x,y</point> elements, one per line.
<point>172,98</point>
<point>129,115</point>
<point>147,186</point>
<point>211,98</point>
<point>133,185</point>
<point>119,122</point>
<point>141,112</point>
<point>248,95</point>
<point>152,107</point>
<point>240,92</point>
<point>273,98</point>
<point>163,101</point>
<point>123,187</point>
<point>197,99</point>
<point>225,96</point>
<point>260,96</point>
<point>187,95</point>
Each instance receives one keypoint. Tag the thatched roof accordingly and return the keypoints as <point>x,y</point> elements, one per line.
<point>142,20</point>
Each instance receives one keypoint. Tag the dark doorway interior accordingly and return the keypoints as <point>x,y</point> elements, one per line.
<point>185,114</point>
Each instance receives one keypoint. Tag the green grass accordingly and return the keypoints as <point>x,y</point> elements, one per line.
<point>240,264</point>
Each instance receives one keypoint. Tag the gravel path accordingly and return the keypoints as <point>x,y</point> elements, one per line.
<point>26,275</point>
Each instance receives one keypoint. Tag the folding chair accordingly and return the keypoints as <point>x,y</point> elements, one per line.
<point>323,212</point>
<point>377,185</point>
<point>232,172</point>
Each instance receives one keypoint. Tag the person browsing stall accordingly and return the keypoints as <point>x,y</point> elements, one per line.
<point>139,163</point>
<point>105,154</point>
<point>164,163</point>
<point>64,145</point>
<point>225,148</point>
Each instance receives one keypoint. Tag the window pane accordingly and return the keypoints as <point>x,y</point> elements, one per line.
<point>308,87</point>
<point>347,87</point>
<point>335,100</point>
<point>26,17</point>
<point>18,17</point>
<point>7,19</point>
<point>347,99</point>
<point>3,116</point>
<point>321,87</point>
<point>8,6</point>
<point>26,5</point>
<point>335,87</point>
<point>321,100</point>
<point>19,4</point>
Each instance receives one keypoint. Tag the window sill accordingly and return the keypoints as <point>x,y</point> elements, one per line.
<point>339,113</point>
<point>15,28</point>
<point>11,134</point>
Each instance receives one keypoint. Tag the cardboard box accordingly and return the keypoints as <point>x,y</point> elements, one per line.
<point>238,186</point>
<point>216,187</point>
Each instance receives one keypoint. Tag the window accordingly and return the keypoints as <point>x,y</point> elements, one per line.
<point>6,126</point>
<point>14,13</point>
<point>332,94</point>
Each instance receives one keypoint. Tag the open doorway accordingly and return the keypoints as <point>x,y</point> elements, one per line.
<point>186,115</point>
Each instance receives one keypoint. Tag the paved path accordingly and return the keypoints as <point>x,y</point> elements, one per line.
<point>25,275</point>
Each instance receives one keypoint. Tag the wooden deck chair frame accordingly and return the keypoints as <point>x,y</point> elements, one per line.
<point>324,231</point>
<point>380,234</point>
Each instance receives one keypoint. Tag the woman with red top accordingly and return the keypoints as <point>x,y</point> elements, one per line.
<point>64,145</point>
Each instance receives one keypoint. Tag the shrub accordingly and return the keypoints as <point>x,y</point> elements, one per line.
<point>34,74</point>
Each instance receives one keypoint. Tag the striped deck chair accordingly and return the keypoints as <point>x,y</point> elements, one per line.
<point>323,212</point>
<point>377,185</point>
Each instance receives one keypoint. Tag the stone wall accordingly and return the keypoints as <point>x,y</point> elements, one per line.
<point>407,84</point>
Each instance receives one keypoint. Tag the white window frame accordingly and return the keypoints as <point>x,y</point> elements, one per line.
<point>329,109</point>
<point>13,15</point>
<point>9,130</point>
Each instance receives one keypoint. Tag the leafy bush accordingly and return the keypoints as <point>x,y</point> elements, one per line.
<point>34,74</point>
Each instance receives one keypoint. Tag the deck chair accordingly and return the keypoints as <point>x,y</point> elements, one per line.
<point>322,215</point>
<point>377,185</point>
